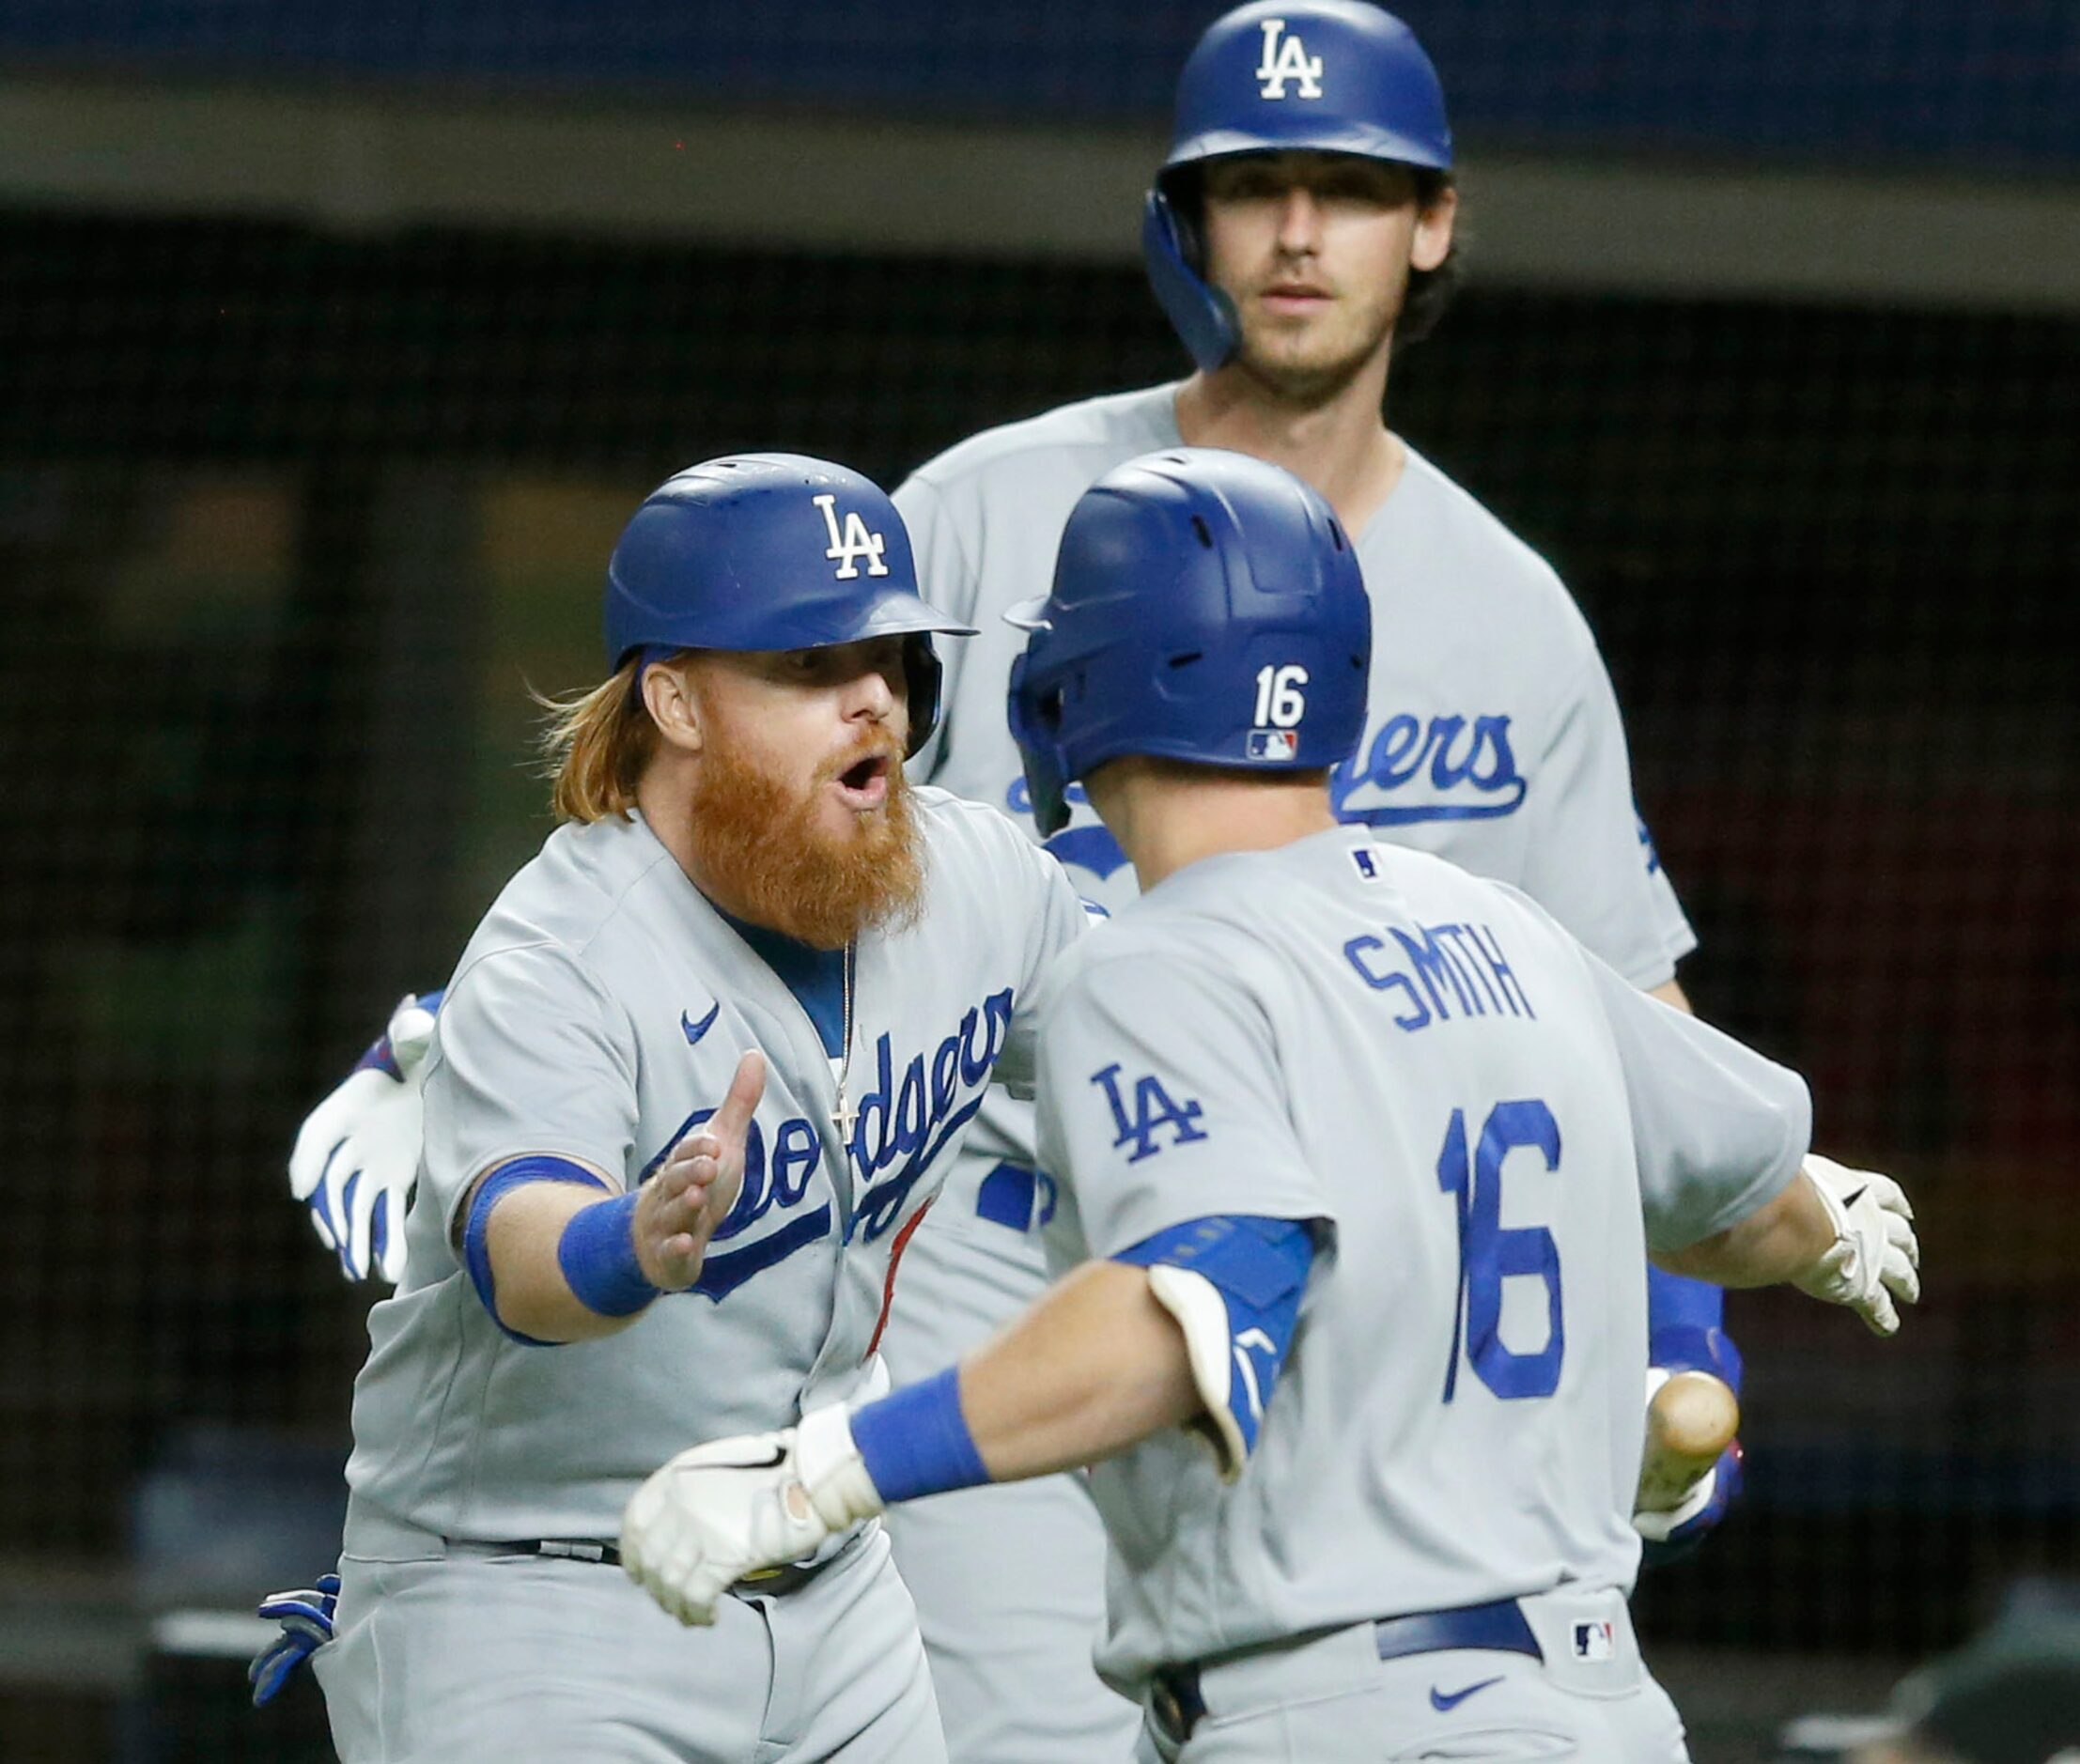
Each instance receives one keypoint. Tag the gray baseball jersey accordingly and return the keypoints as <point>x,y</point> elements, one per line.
<point>597,1015</point>
<point>1481,1114</point>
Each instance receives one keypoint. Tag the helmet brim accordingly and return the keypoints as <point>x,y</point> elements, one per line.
<point>1029,615</point>
<point>1357,140</point>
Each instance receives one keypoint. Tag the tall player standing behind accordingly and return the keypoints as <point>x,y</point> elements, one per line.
<point>1291,1094</point>
<point>591,1282</point>
<point>1299,231</point>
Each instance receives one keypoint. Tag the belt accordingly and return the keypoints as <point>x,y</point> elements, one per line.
<point>761,1583</point>
<point>567,1549</point>
<point>1175,1699</point>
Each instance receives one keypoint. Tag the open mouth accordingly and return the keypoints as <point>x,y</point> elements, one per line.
<point>864,784</point>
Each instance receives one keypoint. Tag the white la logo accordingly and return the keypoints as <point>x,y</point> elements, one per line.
<point>856,543</point>
<point>1287,60</point>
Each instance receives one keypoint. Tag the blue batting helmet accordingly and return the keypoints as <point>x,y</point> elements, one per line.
<point>1332,77</point>
<point>1207,607</point>
<point>773,552</point>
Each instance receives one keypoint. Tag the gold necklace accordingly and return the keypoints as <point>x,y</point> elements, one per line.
<point>844,1117</point>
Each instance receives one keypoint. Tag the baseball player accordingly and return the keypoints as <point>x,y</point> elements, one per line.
<point>1371,1152</point>
<point>1301,228</point>
<point>630,1233</point>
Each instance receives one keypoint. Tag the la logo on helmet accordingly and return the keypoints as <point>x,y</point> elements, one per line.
<point>856,542</point>
<point>1287,59</point>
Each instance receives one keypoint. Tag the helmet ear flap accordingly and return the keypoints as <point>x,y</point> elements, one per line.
<point>1172,252</point>
<point>1035,713</point>
<point>926,675</point>
<point>1183,190</point>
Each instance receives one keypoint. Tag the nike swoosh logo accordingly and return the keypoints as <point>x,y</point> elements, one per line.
<point>1850,1200</point>
<point>693,1030</point>
<point>772,1461</point>
<point>1443,1702</point>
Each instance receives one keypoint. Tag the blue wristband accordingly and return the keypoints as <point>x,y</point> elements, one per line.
<point>597,1255</point>
<point>916,1441</point>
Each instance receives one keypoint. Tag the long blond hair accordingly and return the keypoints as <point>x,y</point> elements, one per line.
<point>594,745</point>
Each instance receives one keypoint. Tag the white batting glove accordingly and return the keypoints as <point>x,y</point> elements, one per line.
<point>723,1511</point>
<point>357,1154</point>
<point>1876,1257</point>
<point>1659,1527</point>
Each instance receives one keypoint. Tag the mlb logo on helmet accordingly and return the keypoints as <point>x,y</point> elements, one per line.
<point>854,543</point>
<point>1286,58</point>
<point>1595,1640</point>
<point>1276,745</point>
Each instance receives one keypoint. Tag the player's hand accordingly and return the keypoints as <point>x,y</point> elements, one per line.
<point>694,1188</point>
<point>306,1620</point>
<point>720,1511</point>
<point>1673,1520</point>
<point>1670,1535</point>
<point>1876,1259</point>
<point>357,1155</point>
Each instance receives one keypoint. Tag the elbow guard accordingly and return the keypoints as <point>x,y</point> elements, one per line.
<point>1234,1286</point>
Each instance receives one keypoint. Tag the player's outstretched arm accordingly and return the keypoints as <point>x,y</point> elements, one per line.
<point>1674,1511</point>
<point>1094,1366</point>
<point>556,1263</point>
<point>1161,1336</point>
<point>357,1154</point>
<point>1842,1235</point>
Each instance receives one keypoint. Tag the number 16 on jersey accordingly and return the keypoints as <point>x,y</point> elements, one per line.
<point>1489,1253</point>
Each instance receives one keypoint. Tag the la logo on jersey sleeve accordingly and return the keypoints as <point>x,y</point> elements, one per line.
<point>1153,1110</point>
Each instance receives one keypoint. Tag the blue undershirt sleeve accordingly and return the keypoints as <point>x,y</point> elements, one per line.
<point>476,1255</point>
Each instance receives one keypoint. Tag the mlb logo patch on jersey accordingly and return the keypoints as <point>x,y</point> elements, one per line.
<point>1273,744</point>
<point>1595,1640</point>
<point>1367,861</point>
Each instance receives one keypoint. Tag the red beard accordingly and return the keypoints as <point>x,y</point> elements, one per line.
<point>764,859</point>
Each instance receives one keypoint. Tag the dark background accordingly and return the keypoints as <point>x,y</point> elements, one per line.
<point>290,518</point>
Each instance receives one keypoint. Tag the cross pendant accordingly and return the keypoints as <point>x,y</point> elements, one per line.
<point>844,1117</point>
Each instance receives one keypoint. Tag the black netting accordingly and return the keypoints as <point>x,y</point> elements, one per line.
<point>288,521</point>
